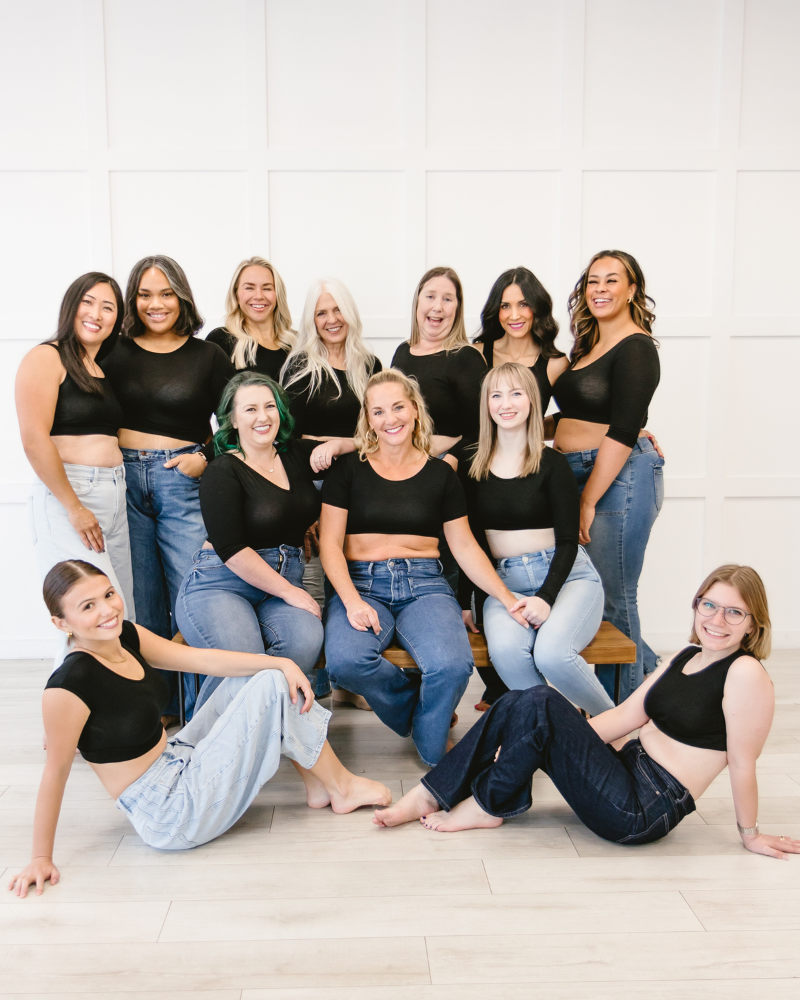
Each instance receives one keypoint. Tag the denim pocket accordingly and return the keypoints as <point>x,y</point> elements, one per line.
<point>658,485</point>
<point>81,487</point>
<point>427,585</point>
<point>192,479</point>
<point>614,500</point>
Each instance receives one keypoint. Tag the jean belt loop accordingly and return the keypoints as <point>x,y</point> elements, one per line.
<point>408,566</point>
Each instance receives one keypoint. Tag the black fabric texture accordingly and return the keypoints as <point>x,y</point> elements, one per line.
<point>539,370</point>
<point>78,412</point>
<point>326,412</point>
<point>268,361</point>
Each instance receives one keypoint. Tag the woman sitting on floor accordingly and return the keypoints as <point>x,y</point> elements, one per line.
<point>709,708</point>
<point>106,699</point>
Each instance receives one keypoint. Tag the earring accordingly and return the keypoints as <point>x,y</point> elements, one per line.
<point>69,634</point>
<point>630,300</point>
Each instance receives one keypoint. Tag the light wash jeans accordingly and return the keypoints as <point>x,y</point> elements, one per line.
<point>416,607</point>
<point>216,609</point>
<point>623,520</point>
<point>214,767</point>
<point>526,657</point>
<point>166,529</point>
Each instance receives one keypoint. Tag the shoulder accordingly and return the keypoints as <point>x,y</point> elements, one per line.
<point>222,467</point>
<point>467,357</point>
<point>376,365</point>
<point>77,670</point>
<point>43,361</point>
<point>748,669</point>
<point>130,636</point>
<point>220,336</point>
<point>637,345</point>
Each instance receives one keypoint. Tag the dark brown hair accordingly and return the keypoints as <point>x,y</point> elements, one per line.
<point>189,319</point>
<point>544,328</point>
<point>62,578</point>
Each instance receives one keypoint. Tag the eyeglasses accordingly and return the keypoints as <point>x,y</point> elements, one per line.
<point>733,616</point>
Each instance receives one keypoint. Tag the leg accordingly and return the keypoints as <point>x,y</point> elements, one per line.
<point>290,632</point>
<point>510,646</point>
<point>118,543</point>
<point>329,783</point>
<point>149,585</point>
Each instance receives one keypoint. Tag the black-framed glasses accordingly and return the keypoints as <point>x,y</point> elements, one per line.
<point>733,616</point>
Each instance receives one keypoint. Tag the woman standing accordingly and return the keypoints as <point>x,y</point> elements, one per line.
<point>68,418</point>
<point>258,332</point>
<point>168,383</point>
<point>603,398</point>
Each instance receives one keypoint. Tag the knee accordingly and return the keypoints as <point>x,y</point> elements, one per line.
<point>303,645</point>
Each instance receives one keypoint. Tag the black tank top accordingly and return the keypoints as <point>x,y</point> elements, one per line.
<point>79,412</point>
<point>539,372</point>
<point>688,707</point>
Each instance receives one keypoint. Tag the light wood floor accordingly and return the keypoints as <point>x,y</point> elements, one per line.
<point>302,904</point>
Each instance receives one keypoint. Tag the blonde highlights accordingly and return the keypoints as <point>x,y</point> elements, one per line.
<point>365,437</point>
<point>752,591</point>
<point>244,351</point>
<point>457,338</point>
<point>515,375</point>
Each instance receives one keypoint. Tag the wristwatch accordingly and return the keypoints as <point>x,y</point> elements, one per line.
<point>748,831</point>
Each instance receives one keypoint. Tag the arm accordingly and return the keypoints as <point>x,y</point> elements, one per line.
<point>251,568</point>
<point>64,717</point>
<point>611,456</point>
<point>38,379</point>
<point>627,717</point>
<point>332,530</point>
<point>468,370</point>
<point>323,455</point>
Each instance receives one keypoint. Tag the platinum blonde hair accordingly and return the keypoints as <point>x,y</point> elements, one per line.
<point>365,437</point>
<point>244,352</point>
<point>515,375</point>
<point>309,355</point>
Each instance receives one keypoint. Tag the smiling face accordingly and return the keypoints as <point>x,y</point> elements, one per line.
<point>255,416</point>
<point>331,327</point>
<point>92,610</point>
<point>509,405</point>
<point>391,414</point>
<point>256,293</point>
<point>158,306</point>
<point>96,315</point>
<point>608,289</point>
<point>714,633</point>
<point>436,309</point>
<point>515,315</point>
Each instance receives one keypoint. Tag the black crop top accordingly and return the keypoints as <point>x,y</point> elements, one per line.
<point>539,370</point>
<point>326,412</point>
<point>615,390</point>
<point>450,383</point>
<point>172,394</point>
<point>269,361</point>
<point>416,506</point>
<point>242,509</point>
<point>124,715</point>
<point>688,707</point>
<point>546,499</point>
<point>78,412</point>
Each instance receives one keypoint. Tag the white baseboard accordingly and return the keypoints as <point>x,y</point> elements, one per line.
<point>668,642</point>
<point>27,649</point>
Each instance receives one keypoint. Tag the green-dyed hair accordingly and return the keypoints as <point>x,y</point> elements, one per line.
<point>227,437</point>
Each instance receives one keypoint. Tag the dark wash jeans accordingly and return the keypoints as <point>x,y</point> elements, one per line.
<point>623,796</point>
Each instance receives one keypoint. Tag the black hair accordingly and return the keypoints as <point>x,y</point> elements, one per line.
<point>544,329</point>
<point>62,578</point>
<point>189,319</point>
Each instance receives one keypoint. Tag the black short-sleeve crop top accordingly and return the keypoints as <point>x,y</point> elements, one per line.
<point>124,715</point>
<point>332,409</point>
<point>78,413</point>
<point>416,506</point>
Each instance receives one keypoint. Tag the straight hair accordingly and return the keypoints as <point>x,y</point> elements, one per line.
<point>365,437</point>
<point>189,319</point>
<point>457,337</point>
<point>753,593</point>
<point>544,329</point>
<point>61,579</point>
<point>244,351</point>
<point>516,375</point>
<point>227,437</point>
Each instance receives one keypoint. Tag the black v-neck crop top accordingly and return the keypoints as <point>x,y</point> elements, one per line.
<point>242,509</point>
<point>124,715</point>
<point>539,370</point>
<point>78,413</point>
<point>688,707</point>
<point>269,361</point>
<point>615,390</point>
<point>325,412</point>
<point>416,506</point>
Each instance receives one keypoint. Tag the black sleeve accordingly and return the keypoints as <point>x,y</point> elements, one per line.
<point>337,487</point>
<point>303,448</point>
<point>565,507</point>
<point>377,367</point>
<point>222,507</point>
<point>75,675</point>
<point>466,588</point>
<point>467,372</point>
<point>222,339</point>
<point>633,381</point>
<point>130,637</point>
<point>454,502</point>
<point>222,371</point>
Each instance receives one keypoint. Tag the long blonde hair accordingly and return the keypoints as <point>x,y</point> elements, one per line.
<point>753,593</point>
<point>309,355</point>
<point>365,437</point>
<point>515,375</point>
<point>244,351</point>
<point>457,337</point>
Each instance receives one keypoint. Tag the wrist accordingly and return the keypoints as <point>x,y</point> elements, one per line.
<point>748,831</point>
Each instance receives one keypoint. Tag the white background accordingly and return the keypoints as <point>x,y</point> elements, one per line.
<point>371,139</point>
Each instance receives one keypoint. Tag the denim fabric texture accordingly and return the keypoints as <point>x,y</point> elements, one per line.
<point>550,654</point>
<point>624,517</point>
<point>211,771</point>
<point>416,607</point>
<point>623,796</point>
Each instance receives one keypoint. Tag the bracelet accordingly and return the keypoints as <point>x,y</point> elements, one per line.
<point>76,510</point>
<point>748,831</point>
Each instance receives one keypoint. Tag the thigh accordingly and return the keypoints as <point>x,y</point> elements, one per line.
<point>218,619</point>
<point>180,530</point>
<point>289,631</point>
<point>503,631</point>
<point>574,618</point>
<point>432,630</point>
<point>344,643</point>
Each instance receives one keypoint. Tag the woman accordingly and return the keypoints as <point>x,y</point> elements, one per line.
<point>258,332</point>
<point>517,326</point>
<point>168,383</point>
<point>523,508</point>
<point>382,512</point>
<point>106,700</point>
<point>68,418</point>
<point>603,398</point>
<point>710,708</point>
<point>244,590</point>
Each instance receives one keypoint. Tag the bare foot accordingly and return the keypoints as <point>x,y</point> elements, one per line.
<point>413,804</point>
<point>357,792</point>
<point>316,794</point>
<point>342,697</point>
<point>449,746</point>
<point>467,815</point>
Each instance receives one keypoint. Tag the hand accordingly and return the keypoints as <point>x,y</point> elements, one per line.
<point>299,598</point>
<point>37,873</point>
<point>297,681</point>
<point>323,455</point>
<point>192,464</point>
<point>469,621</point>
<point>88,528</point>
<point>587,519</point>
<point>511,608</point>
<point>363,617</point>
<point>534,610</point>
<point>311,541</point>
<point>654,443</point>
<point>773,847</point>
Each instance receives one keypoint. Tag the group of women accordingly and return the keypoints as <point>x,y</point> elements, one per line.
<point>415,484</point>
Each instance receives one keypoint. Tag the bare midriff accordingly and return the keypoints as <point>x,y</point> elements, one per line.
<point>150,442</point>
<point>694,767</point>
<point>508,544</point>
<point>96,450</point>
<point>118,776</point>
<point>579,435</point>
<point>378,548</point>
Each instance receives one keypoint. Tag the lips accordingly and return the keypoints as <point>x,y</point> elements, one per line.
<point>91,327</point>
<point>111,623</point>
<point>714,633</point>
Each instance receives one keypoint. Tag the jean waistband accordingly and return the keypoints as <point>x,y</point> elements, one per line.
<point>542,556</point>
<point>643,445</point>
<point>275,554</point>
<point>158,454</point>
<point>661,775</point>
<point>387,567</point>
<point>98,473</point>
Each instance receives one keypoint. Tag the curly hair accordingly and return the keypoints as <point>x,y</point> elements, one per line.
<point>365,437</point>
<point>544,329</point>
<point>227,437</point>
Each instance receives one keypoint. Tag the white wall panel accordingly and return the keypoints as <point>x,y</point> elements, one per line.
<point>770,74</point>
<point>679,411</point>
<point>652,73</point>
<point>339,84</point>
<point>493,74</point>
<point>666,220</point>
<point>25,627</point>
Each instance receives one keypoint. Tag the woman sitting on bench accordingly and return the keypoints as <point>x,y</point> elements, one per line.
<point>106,699</point>
<point>524,511</point>
<point>382,512</point>
<point>709,708</point>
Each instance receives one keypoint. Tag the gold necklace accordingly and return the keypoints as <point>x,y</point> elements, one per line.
<point>123,660</point>
<point>274,456</point>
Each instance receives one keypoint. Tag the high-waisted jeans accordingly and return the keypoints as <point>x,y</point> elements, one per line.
<point>211,771</point>
<point>624,517</point>
<point>416,607</point>
<point>623,796</point>
<point>216,609</point>
<point>525,657</point>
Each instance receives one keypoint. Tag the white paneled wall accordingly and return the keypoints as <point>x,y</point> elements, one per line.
<point>370,139</point>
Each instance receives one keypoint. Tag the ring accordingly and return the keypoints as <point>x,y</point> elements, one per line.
<point>783,838</point>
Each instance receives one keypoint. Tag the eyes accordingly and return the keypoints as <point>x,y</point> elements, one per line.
<point>252,408</point>
<point>522,305</point>
<point>515,394</point>
<point>106,306</point>
<point>144,294</point>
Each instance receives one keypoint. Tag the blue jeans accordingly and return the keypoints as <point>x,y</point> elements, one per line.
<point>216,609</point>
<point>624,517</point>
<point>166,529</point>
<point>623,796</point>
<point>526,657</point>
<point>416,607</point>
<point>213,768</point>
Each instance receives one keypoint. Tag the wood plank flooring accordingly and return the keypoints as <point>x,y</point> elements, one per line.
<point>296,904</point>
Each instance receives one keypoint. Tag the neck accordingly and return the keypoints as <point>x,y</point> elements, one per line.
<point>616,326</point>
<point>425,346</point>
<point>709,656</point>
<point>515,347</point>
<point>510,447</point>
<point>337,355</point>
<point>260,452</point>
<point>104,647</point>
<point>91,350</point>
<point>263,333</point>
<point>400,454</point>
